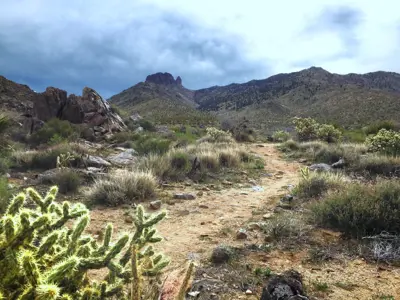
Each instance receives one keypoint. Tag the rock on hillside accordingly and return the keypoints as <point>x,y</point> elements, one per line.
<point>36,108</point>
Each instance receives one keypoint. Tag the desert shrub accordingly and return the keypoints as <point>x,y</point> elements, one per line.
<point>374,128</point>
<point>209,160</point>
<point>67,180</point>
<point>306,128</point>
<point>54,131</point>
<point>287,226</point>
<point>124,136</point>
<point>155,163</point>
<point>44,258</point>
<point>4,164</point>
<point>378,165</point>
<point>215,135</point>
<point>147,125</point>
<point>151,144</point>
<point>123,186</point>
<point>229,158</point>
<point>281,136</point>
<point>385,141</point>
<point>316,184</point>
<point>328,133</point>
<point>359,209</point>
<point>289,145</point>
<point>179,160</point>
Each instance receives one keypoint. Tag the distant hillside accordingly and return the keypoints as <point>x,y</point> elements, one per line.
<point>162,99</point>
<point>350,100</point>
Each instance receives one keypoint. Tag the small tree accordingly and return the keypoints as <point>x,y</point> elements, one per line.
<point>42,258</point>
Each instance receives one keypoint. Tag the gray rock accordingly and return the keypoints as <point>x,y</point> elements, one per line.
<point>124,158</point>
<point>139,129</point>
<point>339,164</point>
<point>135,117</point>
<point>155,204</point>
<point>96,161</point>
<point>288,286</point>
<point>320,167</point>
<point>184,196</point>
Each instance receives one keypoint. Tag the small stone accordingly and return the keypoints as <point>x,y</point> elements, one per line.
<point>8,175</point>
<point>244,193</point>
<point>184,196</point>
<point>155,204</point>
<point>25,178</point>
<point>243,173</point>
<point>254,226</point>
<point>200,193</point>
<point>280,173</point>
<point>129,219</point>
<point>206,189</point>
<point>248,292</point>
<point>267,216</point>
<point>203,223</point>
<point>194,294</point>
<point>203,206</point>
<point>241,234</point>
<point>287,198</point>
<point>253,182</point>
<point>183,213</point>
<point>226,182</point>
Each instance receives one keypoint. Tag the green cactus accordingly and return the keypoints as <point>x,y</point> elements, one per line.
<point>42,258</point>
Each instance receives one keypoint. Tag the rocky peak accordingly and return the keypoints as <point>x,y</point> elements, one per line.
<point>164,78</point>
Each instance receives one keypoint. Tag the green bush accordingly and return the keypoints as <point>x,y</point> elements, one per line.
<point>67,180</point>
<point>354,136</point>
<point>147,125</point>
<point>328,133</point>
<point>378,165</point>
<point>385,141</point>
<point>5,194</point>
<point>54,131</point>
<point>151,144</point>
<point>41,257</point>
<point>377,126</point>
<point>289,145</point>
<point>359,209</point>
<point>281,136</point>
<point>215,135</point>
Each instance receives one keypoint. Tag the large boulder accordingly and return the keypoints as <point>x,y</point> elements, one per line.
<point>164,78</point>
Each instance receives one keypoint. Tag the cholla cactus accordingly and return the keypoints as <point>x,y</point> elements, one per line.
<point>42,258</point>
<point>216,135</point>
<point>305,173</point>
<point>385,141</point>
<point>64,160</point>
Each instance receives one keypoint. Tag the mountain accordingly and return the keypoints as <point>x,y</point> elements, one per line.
<point>350,100</point>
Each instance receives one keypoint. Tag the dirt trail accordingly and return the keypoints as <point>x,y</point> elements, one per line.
<point>194,226</point>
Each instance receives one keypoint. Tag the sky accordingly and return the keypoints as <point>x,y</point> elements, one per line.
<point>112,45</point>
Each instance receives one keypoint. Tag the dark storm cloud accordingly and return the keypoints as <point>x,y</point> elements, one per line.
<point>72,53</point>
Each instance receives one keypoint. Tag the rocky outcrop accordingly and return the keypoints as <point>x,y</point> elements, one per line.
<point>164,78</point>
<point>90,109</point>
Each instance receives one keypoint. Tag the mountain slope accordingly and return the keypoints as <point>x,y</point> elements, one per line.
<point>162,99</point>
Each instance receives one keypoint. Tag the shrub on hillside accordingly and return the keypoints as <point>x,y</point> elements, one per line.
<point>377,126</point>
<point>328,133</point>
<point>43,258</point>
<point>5,194</point>
<point>152,144</point>
<point>306,128</point>
<point>280,136</point>
<point>385,141</point>
<point>378,165</point>
<point>123,186</point>
<point>359,209</point>
<point>55,131</point>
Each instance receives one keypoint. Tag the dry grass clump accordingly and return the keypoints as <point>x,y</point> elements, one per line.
<point>317,184</point>
<point>67,180</point>
<point>123,186</point>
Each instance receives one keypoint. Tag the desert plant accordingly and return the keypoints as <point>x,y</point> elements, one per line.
<point>147,144</point>
<point>328,133</point>
<point>67,180</point>
<point>42,258</point>
<point>215,135</point>
<point>123,186</point>
<point>5,194</point>
<point>55,130</point>
<point>358,209</point>
<point>316,184</point>
<point>374,128</point>
<point>385,141</point>
<point>280,136</point>
<point>306,128</point>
